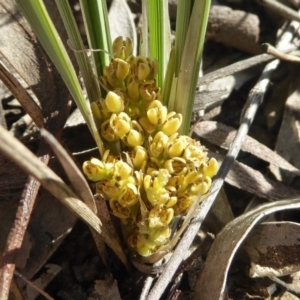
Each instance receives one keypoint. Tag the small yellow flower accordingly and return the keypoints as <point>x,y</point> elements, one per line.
<point>194,153</point>
<point>122,68</point>
<point>107,132</point>
<point>120,124</point>
<point>133,89</point>
<point>140,68</point>
<point>210,169</point>
<point>160,216</point>
<point>176,165</point>
<point>149,91</point>
<point>97,170</point>
<point>158,144</point>
<point>129,196</point>
<point>114,102</point>
<point>157,113</point>
<point>154,185</point>
<point>172,124</point>
<point>176,145</point>
<point>109,75</point>
<point>201,187</point>
<point>139,157</point>
<point>144,246</point>
<point>160,236</point>
<point>118,210</point>
<point>122,170</point>
<point>135,136</point>
<point>110,189</point>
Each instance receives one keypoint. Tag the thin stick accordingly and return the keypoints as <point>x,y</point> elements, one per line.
<point>267,48</point>
<point>289,287</point>
<point>254,100</point>
<point>281,9</point>
<point>34,286</point>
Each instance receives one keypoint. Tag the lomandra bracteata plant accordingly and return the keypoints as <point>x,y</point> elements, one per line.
<point>149,173</point>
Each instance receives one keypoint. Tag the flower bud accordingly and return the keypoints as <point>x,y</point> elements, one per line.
<point>211,169</point>
<point>122,68</point>
<point>95,111</point>
<point>157,113</point>
<point>122,47</point>
<point>114,102</point>
<point>172,123</point>
<point>143,69</point>
<point>135,136</point>
<point>109,75</point>
<point>140,157</point>
<point>133,89</point>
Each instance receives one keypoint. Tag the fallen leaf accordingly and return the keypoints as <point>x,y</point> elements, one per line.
<point>108,289</point>
<point>273,248</point>
<point>254,182</point>
<point>212,281</point>
<point>222,135</point>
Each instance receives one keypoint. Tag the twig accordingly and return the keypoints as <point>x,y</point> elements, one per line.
<point>281,9</point>
<point>240,66</point>
<point>279,54</point>
<point>254,100</point>
<point>146,288</point>
<point>34,286</point>
<point>22,95</point>
<point>289,287</point>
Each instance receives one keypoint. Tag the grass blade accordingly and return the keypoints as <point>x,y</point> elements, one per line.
<point>190,62</point>
<point>97,29</point>
<point>160,40</point>
<point>89,77</point>
<point>41,24</point>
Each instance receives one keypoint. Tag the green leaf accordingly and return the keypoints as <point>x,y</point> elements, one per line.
<point>44,29</point>
<point>97,30</point>
<point>75,41</point>
<point>190,62</point>
<point>159,31</point>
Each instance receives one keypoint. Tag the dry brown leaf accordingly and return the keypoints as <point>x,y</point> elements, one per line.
<point>254,182</point>
<point>18,153</point>
<point>222,135</point>
<point>273,248</point>
<point>288,140</point>
<point>212,282</point>
<point>108,289</point>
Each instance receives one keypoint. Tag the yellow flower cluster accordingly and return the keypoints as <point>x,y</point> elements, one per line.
<point>155,174</point>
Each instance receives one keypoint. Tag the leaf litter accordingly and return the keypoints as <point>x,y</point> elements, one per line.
<point>254,180</point>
